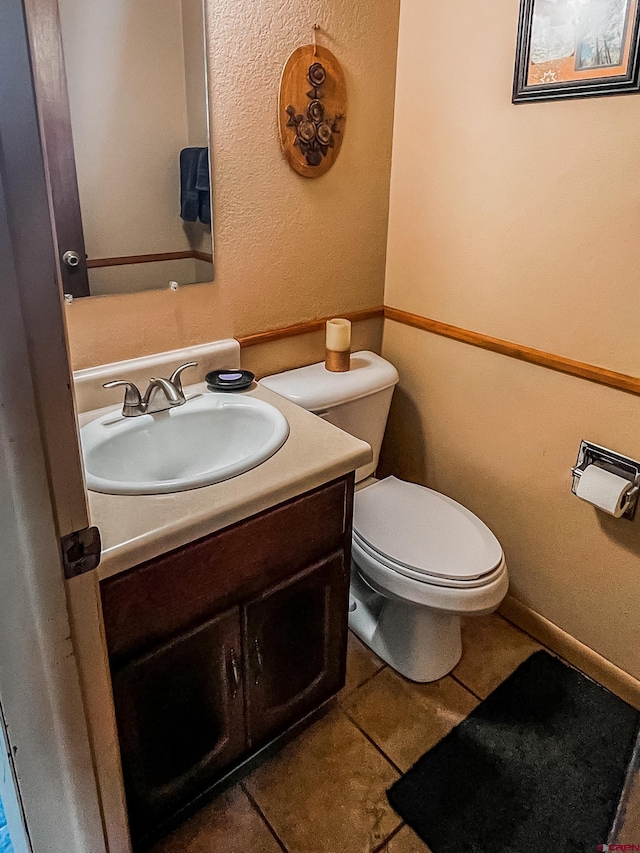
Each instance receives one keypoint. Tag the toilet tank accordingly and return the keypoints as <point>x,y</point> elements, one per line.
<point>357,401</point>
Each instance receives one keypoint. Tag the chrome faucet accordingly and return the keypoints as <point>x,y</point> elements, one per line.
<point>162,394</point>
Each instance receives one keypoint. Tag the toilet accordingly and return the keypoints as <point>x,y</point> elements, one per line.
<point>420,560</point>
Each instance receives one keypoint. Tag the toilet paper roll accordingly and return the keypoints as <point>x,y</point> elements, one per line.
<point>603,489</point>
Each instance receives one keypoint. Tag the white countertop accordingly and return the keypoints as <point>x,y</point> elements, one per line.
<point>137,528</point>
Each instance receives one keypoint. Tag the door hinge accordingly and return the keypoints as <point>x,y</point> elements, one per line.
<point>81,551</point>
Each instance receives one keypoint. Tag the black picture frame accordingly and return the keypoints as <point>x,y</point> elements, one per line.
<point>583,88</point>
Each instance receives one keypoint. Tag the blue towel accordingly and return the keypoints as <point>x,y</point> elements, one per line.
<point>189,200</point>
<point>195,195</point>
<point>204,187</point>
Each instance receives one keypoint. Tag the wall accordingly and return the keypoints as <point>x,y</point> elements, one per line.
<point>519,222</point>
<point>287,249</point>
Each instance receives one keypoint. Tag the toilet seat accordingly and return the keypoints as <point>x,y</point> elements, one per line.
<point>423,577</point>
<point>424,535</point>
<point>480,598</point>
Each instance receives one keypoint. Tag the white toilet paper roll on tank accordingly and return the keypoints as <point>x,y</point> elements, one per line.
<point>604,490</point>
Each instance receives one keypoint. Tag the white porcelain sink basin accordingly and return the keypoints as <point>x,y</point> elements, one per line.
<point>212,437</point>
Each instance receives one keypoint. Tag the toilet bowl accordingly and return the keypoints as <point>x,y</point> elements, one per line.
<point>420,560</point>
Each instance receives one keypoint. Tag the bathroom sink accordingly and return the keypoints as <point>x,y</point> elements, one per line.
<point>212,437</point>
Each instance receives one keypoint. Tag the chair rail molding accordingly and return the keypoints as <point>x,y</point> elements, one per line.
<point>581,369</point>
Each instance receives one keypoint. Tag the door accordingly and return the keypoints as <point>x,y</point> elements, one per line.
<point>295,637</point>
<point>50,84</point>
<point>180,715</point>
<point>41,488</point>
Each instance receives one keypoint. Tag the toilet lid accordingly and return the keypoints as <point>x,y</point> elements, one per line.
<point>424,530</point>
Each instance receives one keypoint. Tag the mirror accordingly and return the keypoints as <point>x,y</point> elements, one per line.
<point>137,88</point>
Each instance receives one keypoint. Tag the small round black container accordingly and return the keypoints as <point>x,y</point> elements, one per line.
<point>229,380</point>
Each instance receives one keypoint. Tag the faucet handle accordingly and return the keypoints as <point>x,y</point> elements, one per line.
<point>176,376</point>
<point>132,395</point>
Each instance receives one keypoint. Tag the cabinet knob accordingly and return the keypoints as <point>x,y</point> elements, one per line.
<point>258,659</point>
<point>235,672</point>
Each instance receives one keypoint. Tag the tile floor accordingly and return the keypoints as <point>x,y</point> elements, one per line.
<point>325,792</point>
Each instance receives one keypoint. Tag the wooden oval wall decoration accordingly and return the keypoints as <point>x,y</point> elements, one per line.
<point>312,107</point>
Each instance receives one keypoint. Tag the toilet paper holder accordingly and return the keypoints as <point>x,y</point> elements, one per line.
<point>623,466</point>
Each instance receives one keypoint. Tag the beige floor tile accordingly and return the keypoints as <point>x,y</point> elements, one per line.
<point>406,841</point>
<point>492,649</point>
<point>406,719</point>
<point>362,663</point>
<point>229,824</point>
<point>326,791</point>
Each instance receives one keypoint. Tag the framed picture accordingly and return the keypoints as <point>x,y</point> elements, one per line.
<point>576,49</point>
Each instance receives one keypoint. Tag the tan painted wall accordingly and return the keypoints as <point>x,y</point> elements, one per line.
<point>285,354</point>
<point>516,221</point>
<point>519,222</point>
<point>287,249</point>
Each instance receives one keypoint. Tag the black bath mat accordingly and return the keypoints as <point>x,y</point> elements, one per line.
<point>539,765</point>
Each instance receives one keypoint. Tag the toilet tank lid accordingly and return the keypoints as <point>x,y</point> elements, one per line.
<point>317,389</point>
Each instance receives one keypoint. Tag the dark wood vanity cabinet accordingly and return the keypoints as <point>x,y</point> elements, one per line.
<point>180,717</point>
<point>219,647</point>
<point>293,645</point>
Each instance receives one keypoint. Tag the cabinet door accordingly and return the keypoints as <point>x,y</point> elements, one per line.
<point>180,714</point>
<point>295,647</point>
